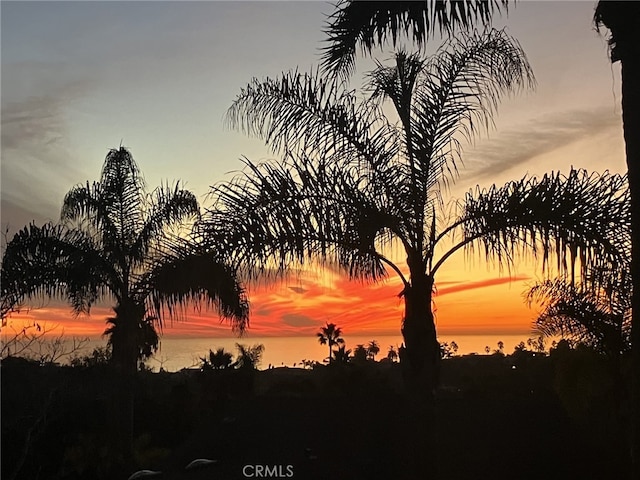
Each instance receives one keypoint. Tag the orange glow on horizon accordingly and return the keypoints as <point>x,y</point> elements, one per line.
<point>299,307</point>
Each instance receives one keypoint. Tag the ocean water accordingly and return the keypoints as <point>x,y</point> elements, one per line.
<point>177,353</point>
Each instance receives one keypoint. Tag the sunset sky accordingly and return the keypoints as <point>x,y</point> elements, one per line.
<point>79,78</point>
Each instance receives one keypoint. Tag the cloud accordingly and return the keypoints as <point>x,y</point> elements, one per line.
<point>297,320</point>
<point>38,166</point>
<point>516,146</point>
<point>490,282</point>
<point>299,290</point>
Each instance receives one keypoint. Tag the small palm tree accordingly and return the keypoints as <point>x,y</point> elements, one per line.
<point>330,335</point>
<point>342,355</point>
<point>392,354</point>
<point>597,317</point>
<point>373,349</point>
<point>360,354</point>
<point>218,360</point>
<point>249,357</point>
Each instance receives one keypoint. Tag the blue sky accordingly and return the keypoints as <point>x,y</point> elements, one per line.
<point>78,78</point>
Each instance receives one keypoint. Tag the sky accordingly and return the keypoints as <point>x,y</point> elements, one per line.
<point>79,78</point>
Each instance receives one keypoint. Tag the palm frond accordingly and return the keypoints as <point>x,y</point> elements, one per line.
<point>580,217</point>
<point>54,261</point>
<point>123,191</point>
<point>187,277</point>
<point>367,25</point>
<point>583,314</point>
<point>295,212</point>
<point>459,94</point>
<point>169,207</point>
<point>306,113</point>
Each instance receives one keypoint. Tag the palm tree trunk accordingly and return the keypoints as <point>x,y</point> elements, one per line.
<point>420,361</point>
<point>125,359</point>
<point>631,125</point>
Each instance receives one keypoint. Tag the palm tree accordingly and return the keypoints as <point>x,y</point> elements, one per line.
<point>342,355</point>
<point>360,354</point>
<point>622,19</point>
<point>118,243</point>
<point>367,24</point>
<point>330,335</point>
<point>373,349</point>
<point>597,317</point>
<point>115,242</point>
<point>356,182</point>
<point>218,360</point>
<point>353,182</point>
<point>392,354</point>
<point>249,357</point>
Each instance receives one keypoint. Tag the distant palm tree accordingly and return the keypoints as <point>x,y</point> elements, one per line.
<point>218,360</point>
<point>373,349</point>
<point>392,354</point>
<point>342,355</point>
<point>367,24</point>
<point>330,335</point>
<point>249,357</point>
<point>360,354</point>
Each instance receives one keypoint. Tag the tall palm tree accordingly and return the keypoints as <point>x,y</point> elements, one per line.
<point>360,176</point>
<point>353,182</point>
<point>330,335</point>
<point>118,243</point>
<point>622,19</point>
<point>367,24</point>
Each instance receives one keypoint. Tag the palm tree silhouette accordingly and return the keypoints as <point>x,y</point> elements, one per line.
<point>330,335</point>
<point>354,182</point>
<point>342,355</point>
<point>373,349</point>
<point>369,24</point>
<point>218,360</point>
<point>392,354</point>
<point>249,357</point>
<point>118,243</point>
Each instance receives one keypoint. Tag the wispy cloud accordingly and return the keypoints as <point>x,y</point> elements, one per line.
<point>513,147</point>
<point>490,282</point>
<point>38,165</point>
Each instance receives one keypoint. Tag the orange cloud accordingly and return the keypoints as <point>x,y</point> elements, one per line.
<point>300,306</point>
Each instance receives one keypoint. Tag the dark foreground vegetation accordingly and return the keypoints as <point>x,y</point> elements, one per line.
<point>524,415</point>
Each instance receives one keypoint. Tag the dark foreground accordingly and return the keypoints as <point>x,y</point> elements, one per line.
<point>539,420</point>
